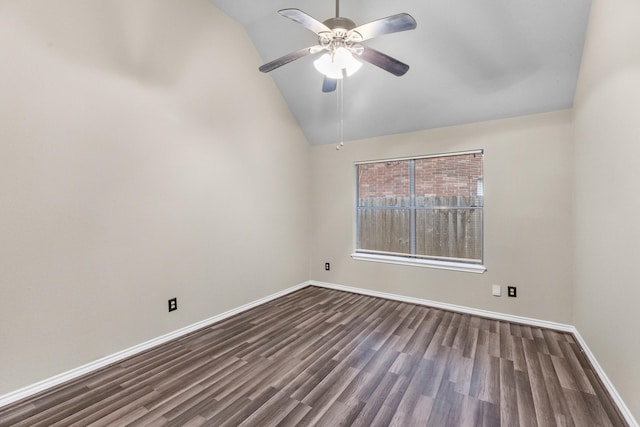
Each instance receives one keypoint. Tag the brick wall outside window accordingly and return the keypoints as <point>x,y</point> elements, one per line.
<point>438,176</point>
<point>384,179</point>
<point>448,176</point>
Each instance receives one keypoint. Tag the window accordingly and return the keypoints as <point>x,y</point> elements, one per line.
<point>421,211</point>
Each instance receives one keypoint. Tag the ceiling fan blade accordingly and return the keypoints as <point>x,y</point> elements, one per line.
<point>283,60</point>
<point>388,25</point>
<point>307,21</point>
<point>329,85</point>
<point>383,61</point>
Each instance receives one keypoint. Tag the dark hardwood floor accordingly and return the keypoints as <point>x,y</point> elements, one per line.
<point>332,358</point>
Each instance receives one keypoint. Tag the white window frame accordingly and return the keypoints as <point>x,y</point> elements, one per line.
<point>471,266</point>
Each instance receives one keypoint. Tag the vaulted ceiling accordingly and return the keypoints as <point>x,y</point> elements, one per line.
<point>471,60</point>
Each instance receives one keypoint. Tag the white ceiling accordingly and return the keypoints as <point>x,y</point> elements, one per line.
<point>471,60</point>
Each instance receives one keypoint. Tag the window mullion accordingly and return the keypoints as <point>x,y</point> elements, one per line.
<point>357,237</point>
<point>412,206</point>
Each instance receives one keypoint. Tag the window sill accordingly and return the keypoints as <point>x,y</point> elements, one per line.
<point>429,263</point>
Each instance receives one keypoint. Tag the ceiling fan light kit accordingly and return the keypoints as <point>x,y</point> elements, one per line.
<point>340,39</point>
<point>338,64</point>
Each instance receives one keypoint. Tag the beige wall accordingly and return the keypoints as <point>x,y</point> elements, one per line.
<point>142,157</point>
<point>607,195</point>
<point>527,175</point>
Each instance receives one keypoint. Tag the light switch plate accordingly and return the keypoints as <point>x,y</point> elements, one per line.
<point>496,290</point>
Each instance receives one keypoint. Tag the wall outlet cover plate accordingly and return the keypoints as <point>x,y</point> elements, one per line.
<point>496,290</point>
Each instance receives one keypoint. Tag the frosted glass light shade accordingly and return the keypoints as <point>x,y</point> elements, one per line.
<point>333,66</point>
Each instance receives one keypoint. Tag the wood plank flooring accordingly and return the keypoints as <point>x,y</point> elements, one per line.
<point>330,358</point>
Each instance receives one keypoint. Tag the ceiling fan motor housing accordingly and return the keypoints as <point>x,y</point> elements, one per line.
<point>339,22</point>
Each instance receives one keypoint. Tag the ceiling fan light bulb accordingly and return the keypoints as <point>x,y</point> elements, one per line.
<point>344,60</point>
<point>341,57</point>
<point>332,66</point>
<point>353,66</point>
<point>325,65</point>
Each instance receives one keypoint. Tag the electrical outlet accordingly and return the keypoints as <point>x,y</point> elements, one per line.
<point>327,266</point>
<point>496,290</point>
<point>173,304</point>
<point>511,291</point>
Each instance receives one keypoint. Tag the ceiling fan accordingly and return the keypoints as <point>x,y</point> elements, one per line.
<point>340,39</point>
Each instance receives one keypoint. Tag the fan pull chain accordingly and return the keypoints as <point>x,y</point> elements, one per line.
<point>340,113</point>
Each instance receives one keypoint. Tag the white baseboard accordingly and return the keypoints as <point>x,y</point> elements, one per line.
<point>622,407</point>
<point>100,363</point>
<point>116,357</point>
<point>450,307</point>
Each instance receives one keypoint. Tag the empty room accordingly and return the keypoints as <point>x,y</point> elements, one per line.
<point>225,213</point>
